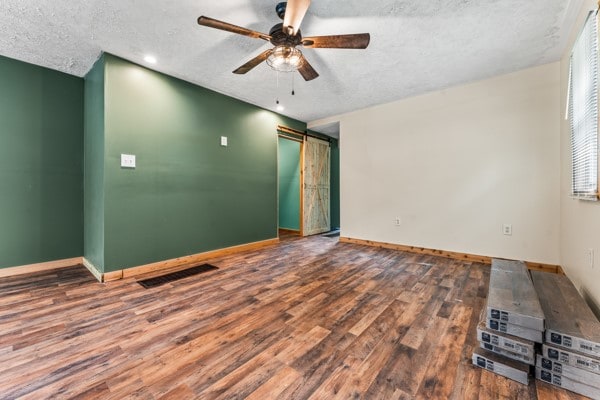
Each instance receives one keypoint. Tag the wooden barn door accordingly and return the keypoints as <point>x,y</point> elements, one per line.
<point>316,217</point>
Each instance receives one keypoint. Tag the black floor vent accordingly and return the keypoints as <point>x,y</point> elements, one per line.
<point>173,276</point>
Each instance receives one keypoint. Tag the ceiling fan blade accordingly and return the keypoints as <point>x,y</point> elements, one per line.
<point>224,26</point>
<point>307,71</point>
<point>254,62</point>
<point>294,13</point>
<point>352,41</point>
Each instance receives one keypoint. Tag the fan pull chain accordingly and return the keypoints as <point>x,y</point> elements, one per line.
<point>293,75</point>
<point>277,97</point>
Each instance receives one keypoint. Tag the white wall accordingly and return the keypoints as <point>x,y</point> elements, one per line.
<point>455,165</point>
<point>580,220</point>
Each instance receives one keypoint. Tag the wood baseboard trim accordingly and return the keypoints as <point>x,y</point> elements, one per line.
<point>93,269</point>
<point>535,266</point>
<point>112,276</point>
<point>448,254</point>
<point>39,267</point>
<point>289,231</point>
<point>173,263</point>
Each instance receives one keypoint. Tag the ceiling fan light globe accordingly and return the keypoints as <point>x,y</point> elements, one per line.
<point>285,59</point>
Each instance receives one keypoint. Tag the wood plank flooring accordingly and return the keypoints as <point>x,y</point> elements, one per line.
<point>309,318</point>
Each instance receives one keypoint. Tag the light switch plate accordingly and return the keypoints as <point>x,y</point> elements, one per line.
<point>223,140</point>
<point>127,160</point>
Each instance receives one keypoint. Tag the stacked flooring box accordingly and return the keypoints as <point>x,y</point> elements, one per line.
<point>571,351</point>
<point>512,322</point>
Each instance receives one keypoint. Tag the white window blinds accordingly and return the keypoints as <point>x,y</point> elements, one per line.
<point>583,111</point>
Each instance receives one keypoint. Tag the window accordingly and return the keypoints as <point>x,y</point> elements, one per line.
<point>583,111</point>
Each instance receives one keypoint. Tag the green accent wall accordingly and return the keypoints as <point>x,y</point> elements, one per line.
<point>289,183</point>
<point>93,232</point>
<point>41,171</point>
<point>334,197</point>
<point>188,194</point>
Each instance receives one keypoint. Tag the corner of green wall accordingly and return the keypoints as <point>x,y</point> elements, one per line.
<point>94,113</point>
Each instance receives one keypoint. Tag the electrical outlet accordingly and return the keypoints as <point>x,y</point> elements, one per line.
<point>507,229</point>
<point>591,258</point>
<point>224,141</point>
<point>397,221</point>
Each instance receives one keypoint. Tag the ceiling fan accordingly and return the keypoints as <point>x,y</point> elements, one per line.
<point>285,57</point>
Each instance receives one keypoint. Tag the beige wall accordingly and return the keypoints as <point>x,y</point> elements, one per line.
<point>455,165</point>
<point>580,220</point>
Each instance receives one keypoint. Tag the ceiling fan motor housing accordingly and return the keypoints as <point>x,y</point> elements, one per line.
<point>281,38</point>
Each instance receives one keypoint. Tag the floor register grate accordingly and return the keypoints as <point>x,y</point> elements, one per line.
<point>174,276</point>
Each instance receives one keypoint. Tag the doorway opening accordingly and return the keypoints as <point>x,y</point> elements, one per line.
<point>289,167</point>
<point>308,183</point>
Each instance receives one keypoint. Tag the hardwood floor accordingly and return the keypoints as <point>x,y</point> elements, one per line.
<point>306,319</point>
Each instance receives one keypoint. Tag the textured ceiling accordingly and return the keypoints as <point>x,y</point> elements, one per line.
<point>416,45</point>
